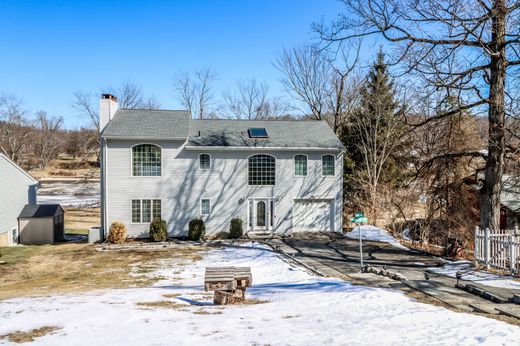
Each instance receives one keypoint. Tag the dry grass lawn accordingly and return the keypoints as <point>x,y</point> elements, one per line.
<point>54,269</point>
<point>79,220</point>
<point>20,337</point>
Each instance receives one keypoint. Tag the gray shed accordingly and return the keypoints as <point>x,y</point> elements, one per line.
<point>41,224</point>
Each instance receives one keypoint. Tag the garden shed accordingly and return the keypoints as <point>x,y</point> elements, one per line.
<point>41,224</point>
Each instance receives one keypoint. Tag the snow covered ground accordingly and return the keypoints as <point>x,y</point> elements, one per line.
<point>470,274</point>
<point>369,232</point>
<point>298,309</point>
<point>69,194</point>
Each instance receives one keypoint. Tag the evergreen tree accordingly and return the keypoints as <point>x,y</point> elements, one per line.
<point>372,137</point>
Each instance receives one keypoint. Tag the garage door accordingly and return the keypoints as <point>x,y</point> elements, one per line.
<point>312,215</point>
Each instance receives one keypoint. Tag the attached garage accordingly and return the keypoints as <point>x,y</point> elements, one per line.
<point>41,224</point>
<point>312,215</point>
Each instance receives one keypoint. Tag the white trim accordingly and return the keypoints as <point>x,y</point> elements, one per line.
<point>220,148</point>
<point>141,210</point>
<point>275,168</point>
<point>200,206</point>
<point>210,162</point>
<point>19,168</point>
<point>146,138</point>
<point>268,226</point>
<point>132,162</point>
<point>321,163</point>
<point>306,166</point>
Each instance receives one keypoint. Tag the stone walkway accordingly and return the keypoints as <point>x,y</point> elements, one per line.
<point>330,254</point>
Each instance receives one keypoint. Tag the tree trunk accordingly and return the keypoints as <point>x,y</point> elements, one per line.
<point>492,187</point>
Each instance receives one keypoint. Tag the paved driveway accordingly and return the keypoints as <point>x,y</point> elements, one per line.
<point>332,254</point>
<point>342,254</point>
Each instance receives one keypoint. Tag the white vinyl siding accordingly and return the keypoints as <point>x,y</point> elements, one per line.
<point>16,190</point>
<point>182,186</point>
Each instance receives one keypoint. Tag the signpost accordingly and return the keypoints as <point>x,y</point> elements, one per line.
<point>359,218</point>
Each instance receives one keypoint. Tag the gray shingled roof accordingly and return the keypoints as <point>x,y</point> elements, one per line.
<point>145,123</point>
<point>283,134</point>
<point>41,210</point>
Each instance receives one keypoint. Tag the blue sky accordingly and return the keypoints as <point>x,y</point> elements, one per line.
<point>50,49</point>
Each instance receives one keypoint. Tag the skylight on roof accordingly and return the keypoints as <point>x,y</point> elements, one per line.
<point>257,132</point>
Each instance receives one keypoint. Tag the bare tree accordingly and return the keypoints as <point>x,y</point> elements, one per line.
<point>196,92</point>
<point>129,95</point>
<point>307,77</point>
<point>14,129</point>
<point>250,101</point>
<point>47,142</point>
<point>469,48</point>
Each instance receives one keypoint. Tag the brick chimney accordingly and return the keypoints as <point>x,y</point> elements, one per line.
<point>107,108</point>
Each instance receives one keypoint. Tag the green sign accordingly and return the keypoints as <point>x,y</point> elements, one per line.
<point>359,217</point>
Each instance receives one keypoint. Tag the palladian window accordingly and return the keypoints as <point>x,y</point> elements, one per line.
<point>146,160</point>
<point>261,170</point>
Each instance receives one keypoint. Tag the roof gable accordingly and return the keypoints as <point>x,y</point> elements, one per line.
<point>41,210</point>
<point>31,180</point>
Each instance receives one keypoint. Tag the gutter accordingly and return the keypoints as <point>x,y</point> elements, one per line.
<point>220,148</point>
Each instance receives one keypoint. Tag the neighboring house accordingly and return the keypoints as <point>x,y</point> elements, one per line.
<point>510,202</point>
<point>277,176</point>
<point>17,188</point>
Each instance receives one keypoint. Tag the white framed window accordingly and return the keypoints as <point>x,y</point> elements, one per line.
<point>204,161</point>
<point>205,206</point>
<point>300,165</point>
<point>261,170</point>
<point>14,236</point>
<point>146,160</point>
<point>146,210</point>
<point>327,165</point>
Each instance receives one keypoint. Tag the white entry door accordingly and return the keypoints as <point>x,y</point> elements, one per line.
<point>261,214</point>
<point>312,215</point>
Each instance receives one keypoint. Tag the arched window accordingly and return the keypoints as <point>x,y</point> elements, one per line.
<point>300,165</point>
<point>261,169</point>
<point>204,161</point>
<point>327,165</point>
<point>146,160</point>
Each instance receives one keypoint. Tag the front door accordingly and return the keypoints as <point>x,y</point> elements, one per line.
<point>261,214</point>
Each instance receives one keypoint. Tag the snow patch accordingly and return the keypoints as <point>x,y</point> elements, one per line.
<point>470,274</point>
<point>369,232</point>
<point>298,309</point>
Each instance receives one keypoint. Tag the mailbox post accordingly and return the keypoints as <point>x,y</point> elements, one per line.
<point>359,218</point>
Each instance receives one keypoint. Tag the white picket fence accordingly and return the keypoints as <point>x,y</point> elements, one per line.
<point>499,250</point>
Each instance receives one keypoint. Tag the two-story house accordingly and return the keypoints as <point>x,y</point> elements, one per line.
<point>277,176</point>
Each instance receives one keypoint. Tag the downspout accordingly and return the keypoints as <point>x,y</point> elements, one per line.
<point>103,186</point>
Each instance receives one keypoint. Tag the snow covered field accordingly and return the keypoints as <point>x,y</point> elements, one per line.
<point>470,274</point>
<point>298,309</point>
<point>369,232</point>
<point>69,194</point>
